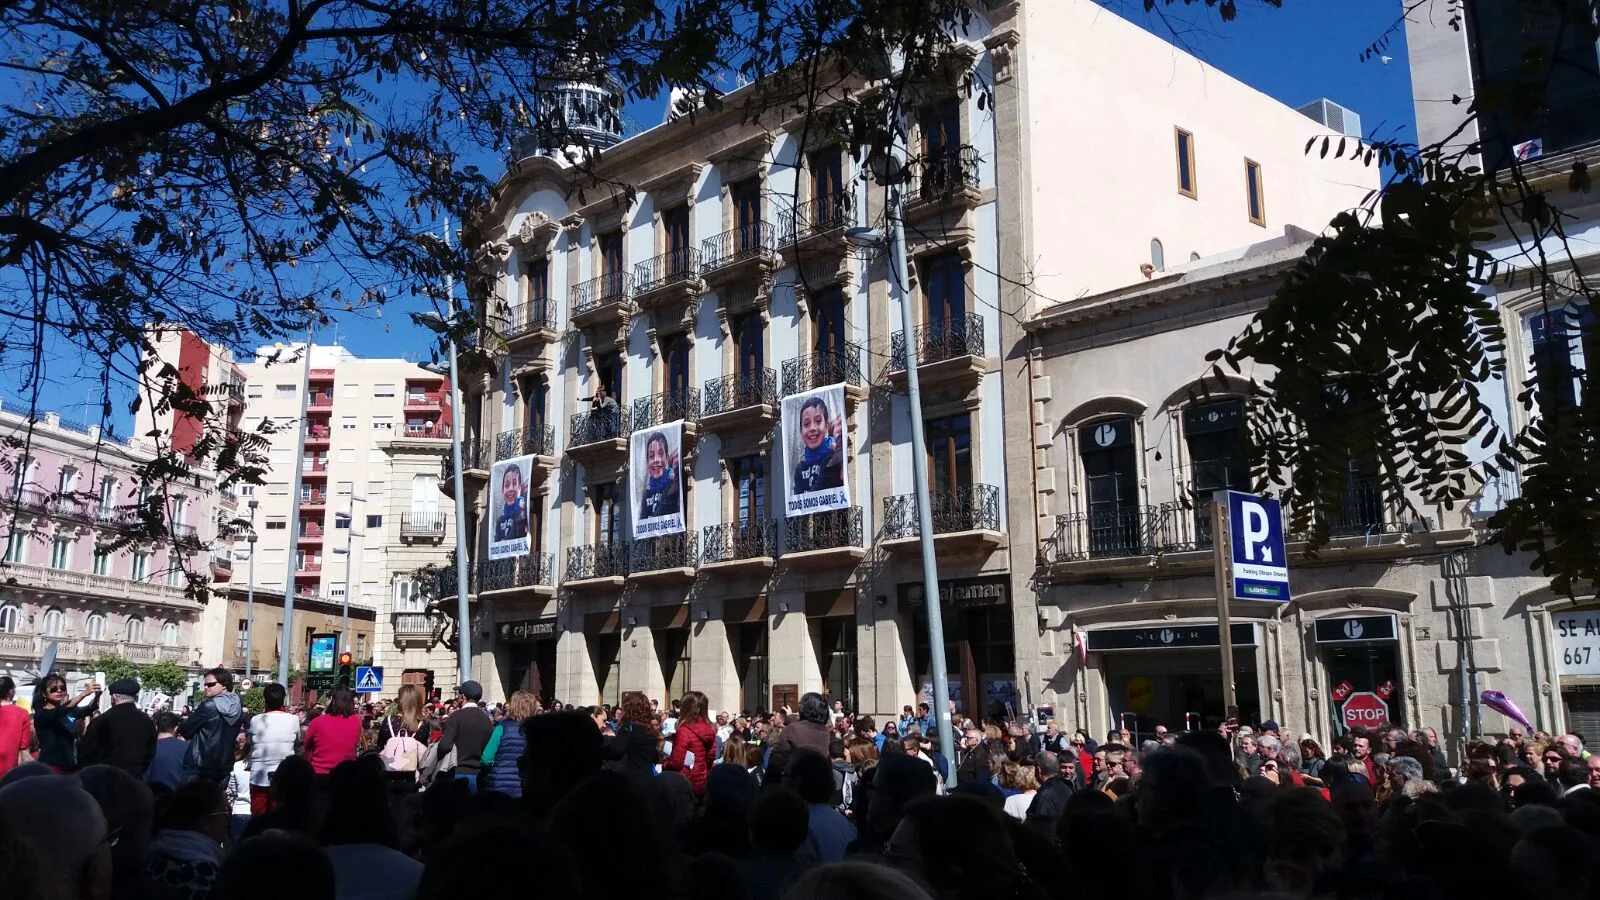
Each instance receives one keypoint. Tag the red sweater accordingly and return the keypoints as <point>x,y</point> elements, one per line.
<point>700,739</point>
<point>331,740</point>
<point>15,730</point>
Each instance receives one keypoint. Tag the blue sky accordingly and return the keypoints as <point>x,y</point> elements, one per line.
<point>1305,50</point>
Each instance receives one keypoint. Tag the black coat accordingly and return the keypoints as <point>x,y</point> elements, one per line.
<point>467,732</point>
<point>632,749</point>
<point>123,737</point>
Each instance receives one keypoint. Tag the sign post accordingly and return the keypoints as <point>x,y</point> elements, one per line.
<point>1252,563</point>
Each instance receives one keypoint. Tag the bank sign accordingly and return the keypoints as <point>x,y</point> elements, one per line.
<point>1258,557</point>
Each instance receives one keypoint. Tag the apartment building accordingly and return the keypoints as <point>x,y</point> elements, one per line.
<point>724,286</point>
<point>72,493</point>
<point>369,512</point>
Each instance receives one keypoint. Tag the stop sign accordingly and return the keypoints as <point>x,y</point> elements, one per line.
<point>1364,708</point>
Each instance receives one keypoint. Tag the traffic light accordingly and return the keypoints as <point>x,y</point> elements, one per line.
<point>346,673</point>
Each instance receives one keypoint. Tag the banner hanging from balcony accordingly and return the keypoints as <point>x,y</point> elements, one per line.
<point>508,508</point>
<point>816,452</point>
<point>655,479</point>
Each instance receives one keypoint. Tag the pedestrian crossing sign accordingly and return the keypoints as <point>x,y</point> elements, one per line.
<point>369,679</point>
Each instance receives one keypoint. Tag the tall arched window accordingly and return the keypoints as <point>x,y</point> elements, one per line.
<point>10,619</point>
<point>1111,471</point>
<point>94,628</point>
<point>134,633</point>
<point>169,633</point>
<point>1158,255</point>
<point>55,623</point>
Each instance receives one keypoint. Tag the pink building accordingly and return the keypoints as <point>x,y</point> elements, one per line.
<point>67,492</point>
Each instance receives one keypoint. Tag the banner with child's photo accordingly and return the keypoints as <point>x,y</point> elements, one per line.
<point>508,508</point>
<point>815,452</point>
<point>655,478</point>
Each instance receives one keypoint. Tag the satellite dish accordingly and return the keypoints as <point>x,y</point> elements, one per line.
<point>45,664</point>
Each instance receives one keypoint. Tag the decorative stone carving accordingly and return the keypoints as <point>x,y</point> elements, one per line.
<point>1002,53</point>
<point>490,258</point>
<point>536,234</point>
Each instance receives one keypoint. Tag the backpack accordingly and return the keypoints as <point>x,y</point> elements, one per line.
<point>401,752</point>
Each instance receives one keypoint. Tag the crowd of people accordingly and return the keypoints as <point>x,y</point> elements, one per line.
<point>409,799</point>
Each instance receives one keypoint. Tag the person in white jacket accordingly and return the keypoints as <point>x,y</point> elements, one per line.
<point>274,736</point>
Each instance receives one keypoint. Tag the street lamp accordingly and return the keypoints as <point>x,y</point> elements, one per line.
<point>436,323</point>
<point>250,592</point>
<point>349,563</point>
<point>895,242</point>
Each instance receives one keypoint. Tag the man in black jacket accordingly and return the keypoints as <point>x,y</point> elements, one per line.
<point>467,732</point>
<point>123,736</point>
<point>212,730</point>
<point>809,732</point>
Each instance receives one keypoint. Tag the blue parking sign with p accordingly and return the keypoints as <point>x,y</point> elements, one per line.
<point>1259,559</point>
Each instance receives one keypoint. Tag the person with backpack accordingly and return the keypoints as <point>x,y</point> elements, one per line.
<point>274,736</point>
<point>506,743</point>
<point>404,736</point>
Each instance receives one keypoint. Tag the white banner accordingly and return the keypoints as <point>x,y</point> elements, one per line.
<point>816,452</point>
<point>508,508</point>
<point>655,478</point>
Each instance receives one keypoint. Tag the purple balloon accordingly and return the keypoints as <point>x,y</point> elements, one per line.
<point>1507,707</point>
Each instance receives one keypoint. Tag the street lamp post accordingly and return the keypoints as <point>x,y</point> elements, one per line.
<point>895,243</point>
<point>463,613</point>
<point>349,564</point>
<point>250,594</point>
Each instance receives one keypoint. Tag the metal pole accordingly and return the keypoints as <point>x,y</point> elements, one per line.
<point>287,646</point>
<point>463,613</point>
<point>1221,541</point>
<point>919,469</point>
<point>250,596</point>
<point>349,563</point>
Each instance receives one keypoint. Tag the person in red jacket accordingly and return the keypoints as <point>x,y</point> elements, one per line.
<point>333,737</point>
<point>16,729</point>
<point>693,742</point>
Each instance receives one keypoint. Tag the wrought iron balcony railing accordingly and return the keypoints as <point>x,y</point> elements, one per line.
<point>536,315</point>
<point>535,570</point>
<point>823,531</point>
<point>939,341</point>
<point>672,551</point>
<point>671,267</point>
<point>668,406</point>
<point>816,216</point>
<point>972,508</point>
<point>740,390</point>
<point>805,373</point>
<point>612,287</point>
<point>946,171</point>
<point>422,524</point>
<point>735,245</point>
<point>1105,534</point>
<point>535,440</point>
<point>733,541</point>
<point>598,425</point>
<point>597,561</point>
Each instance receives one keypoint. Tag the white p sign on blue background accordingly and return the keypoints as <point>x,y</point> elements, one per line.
<point>1259,560</point>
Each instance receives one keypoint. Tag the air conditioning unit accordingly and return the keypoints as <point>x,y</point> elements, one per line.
<point>1336,117</point>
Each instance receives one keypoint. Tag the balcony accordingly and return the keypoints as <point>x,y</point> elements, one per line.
<point>531,323</point>
<point>535,440</point>
<point>315,468</point>
<point>536,572</point>
<point>309,534</point>
<point>824,539</point>
<point>598,434</point>
<point>318,435</point>
<point>965,520</point>
<point>308,569</point>
<point>602,301</point>
<point>427,431</point>
<point>83,649</point>
<point>744,400</point>
<point>739,547</point>
<point>425,399</point>
<point>670,282</point>
<point>669,406</point>
<point>949,351</point>
<point>183,534</point>
<point>666,559</point>
<point>825,367</point>
<point>422,526</point>
<point>417,629</point>
<point>596,566</point>
<point>946,179</point>
<point>314,500</point>
<point>96,587</point>
<point>475,457</point>
<point>744,253</point>
<point>816,225</point>
<point>320,400</point>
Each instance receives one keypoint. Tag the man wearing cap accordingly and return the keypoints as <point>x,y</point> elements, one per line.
<point>123,736</point>
<point>467,733</point>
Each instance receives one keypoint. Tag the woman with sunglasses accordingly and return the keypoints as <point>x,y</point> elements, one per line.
<point>55,721</point>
